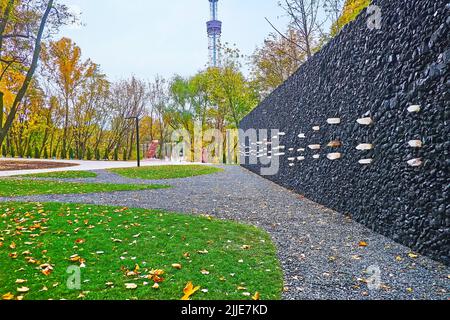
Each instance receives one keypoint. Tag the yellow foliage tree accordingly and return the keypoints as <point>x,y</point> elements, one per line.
<point>351,10</point>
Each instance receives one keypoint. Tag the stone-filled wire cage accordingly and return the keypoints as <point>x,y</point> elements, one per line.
<point>363,126</point>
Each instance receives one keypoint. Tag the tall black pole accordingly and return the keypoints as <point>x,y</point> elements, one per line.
<point>138,143</point>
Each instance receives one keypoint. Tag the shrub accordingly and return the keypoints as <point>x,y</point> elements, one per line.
<point>12,152</point>
<point>116,154</point>
<point>97,154</point>
<point>125,155</point>
<point>63,153</point>
<point>45,153</point>
<point>106,155</point>
<point>4,152</point>
<point>71,154</point>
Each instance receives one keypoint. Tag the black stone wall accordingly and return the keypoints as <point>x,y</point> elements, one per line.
<point>376,74</point>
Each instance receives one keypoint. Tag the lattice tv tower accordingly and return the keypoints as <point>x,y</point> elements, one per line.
<point>214,27</point>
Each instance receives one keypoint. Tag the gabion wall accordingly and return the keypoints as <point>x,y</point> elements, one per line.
<point>364,125</point>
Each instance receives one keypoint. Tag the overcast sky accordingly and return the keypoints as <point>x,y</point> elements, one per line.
<point>149,37</point>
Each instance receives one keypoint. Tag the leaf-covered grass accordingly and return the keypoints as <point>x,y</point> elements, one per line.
<point>16,188</point>
<point>166,172</point>
<point>63,175</point>
<point>120,246</point>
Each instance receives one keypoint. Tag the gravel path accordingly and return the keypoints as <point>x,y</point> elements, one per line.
<point>318,248</point>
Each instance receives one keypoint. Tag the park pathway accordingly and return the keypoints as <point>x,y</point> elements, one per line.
<point>318,248</point>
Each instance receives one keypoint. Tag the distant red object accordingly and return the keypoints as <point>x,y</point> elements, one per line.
<point>204,155</point>
<point>151,153</point>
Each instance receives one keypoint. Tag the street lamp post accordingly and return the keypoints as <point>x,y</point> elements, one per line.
<point>137,140</point>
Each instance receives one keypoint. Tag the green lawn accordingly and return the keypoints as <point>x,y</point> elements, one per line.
<point>12,188</point>
<point>166,172</point>
<point>119,248</point>
<point>63,175</point>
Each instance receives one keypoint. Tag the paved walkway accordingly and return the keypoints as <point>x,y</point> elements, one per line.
<point>318,247</point>
<point>83,165</point>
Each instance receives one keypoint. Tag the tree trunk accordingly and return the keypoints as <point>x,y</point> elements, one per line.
<point>29,76</point>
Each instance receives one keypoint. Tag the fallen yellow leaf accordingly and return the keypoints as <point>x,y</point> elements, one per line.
<point>8,296</point>
<point>13,255</point>
<point>363,244</point>
<point>156,275</point>
<point>256,296</point>
<point>413,255</point>
<point>176,266</point>
<point>20,281</point>
<point>74,258</point>
<point>189,290</point>
<point>46,271</point>
<point>130,286</point>
<point>23,289</point>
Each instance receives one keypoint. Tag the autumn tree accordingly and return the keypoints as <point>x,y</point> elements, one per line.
<point>65,69</point>
<point>90,112</point>
<point>306,20</point>
<point>284,52</point>
<point>159,110</point>
<point>128,98</point>
<point>23,26</point>
<point>276,61</point>
<point>350,11</point>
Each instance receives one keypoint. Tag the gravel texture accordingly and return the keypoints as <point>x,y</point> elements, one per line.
<point>319,249</point>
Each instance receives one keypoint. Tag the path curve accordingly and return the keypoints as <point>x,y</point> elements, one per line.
<point>318,248</point>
